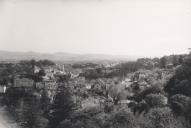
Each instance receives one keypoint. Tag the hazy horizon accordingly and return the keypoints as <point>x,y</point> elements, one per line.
<point>107,54</point>
<point>150,28</point>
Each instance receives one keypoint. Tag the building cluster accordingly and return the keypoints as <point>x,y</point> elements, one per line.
<point>48,80</point>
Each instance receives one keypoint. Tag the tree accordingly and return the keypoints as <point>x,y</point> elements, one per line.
<point>128,67</point>
<point>45,62</point>
<point>151,90</point>
<point>164,118</point>
<point>90,118</point>
<point>180,82</point>
<point>156,100</point>
<point>41,72</point>
<point>180,104</point>
<point>181,59</point>
<point>122,119</point>
<point>175,60</point>
<point>61,107</point>
<point>114,92</point>
<point>163,62</point>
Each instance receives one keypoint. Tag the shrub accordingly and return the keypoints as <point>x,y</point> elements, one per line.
<point>180,104</point>
<point>122,119</point>
<point>164,118</point>
<point>150,90</point>
<point>156,100</point>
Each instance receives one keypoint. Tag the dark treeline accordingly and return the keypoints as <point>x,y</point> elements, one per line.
<point>128,67</point>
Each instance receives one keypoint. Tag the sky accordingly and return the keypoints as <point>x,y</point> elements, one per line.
<point>120,27</point>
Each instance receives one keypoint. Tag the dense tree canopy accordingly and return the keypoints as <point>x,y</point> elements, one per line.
<point>62,105</point>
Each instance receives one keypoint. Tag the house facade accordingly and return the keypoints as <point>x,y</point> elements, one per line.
<point>23,82</point>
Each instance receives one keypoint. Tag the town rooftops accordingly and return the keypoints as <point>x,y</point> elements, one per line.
<point>23,82</point>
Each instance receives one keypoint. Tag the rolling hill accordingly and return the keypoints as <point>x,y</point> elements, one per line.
<point>62,57</point>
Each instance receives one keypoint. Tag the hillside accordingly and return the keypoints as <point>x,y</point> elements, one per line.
<point>63,57</point>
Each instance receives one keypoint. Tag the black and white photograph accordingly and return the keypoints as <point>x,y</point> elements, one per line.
<point>95,63</point>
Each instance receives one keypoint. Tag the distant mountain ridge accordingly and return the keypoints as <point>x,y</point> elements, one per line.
<point>63,57</point>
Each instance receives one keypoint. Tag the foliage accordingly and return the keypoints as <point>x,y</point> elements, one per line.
<point>45,62</point>
<point>90,118</point>
<point>163,62</point>
<point>114,92</point>
<point>180,104</point>
<point>92,74</point>
<point>128,67</point>
<point>156,100</point>
<point>151,90</point>
<point>180,82</point>
<point>164,118</point>
<point>62,106</point>
<point>148,107</point>
<point>122,119</point>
